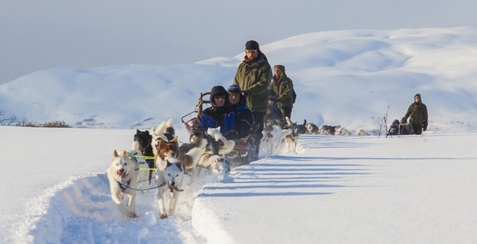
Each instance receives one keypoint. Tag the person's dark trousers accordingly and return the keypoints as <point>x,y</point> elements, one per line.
<point>417,128</point>
<point>287,112</point>
<point>256,132</point>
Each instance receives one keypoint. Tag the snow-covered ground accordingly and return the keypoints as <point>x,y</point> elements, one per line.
<point>334,189</point>
<point>415,189</point>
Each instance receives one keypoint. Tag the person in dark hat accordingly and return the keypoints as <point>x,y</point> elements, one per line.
<point>417,112</point>
<point>394,128</point>
<point>253,76</point>
<point>217,114</point>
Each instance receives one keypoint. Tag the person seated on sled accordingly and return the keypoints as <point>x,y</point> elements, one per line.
<point>394,128</point>
<point>243,116</point>
<point>217,114</point>
<point>274,114</point>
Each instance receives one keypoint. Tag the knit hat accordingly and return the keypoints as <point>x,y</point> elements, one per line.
<point>218,91</point>
<point>271,97</point>
<point>252,45</point>
<point>234,89</point>
<point>418,95</point>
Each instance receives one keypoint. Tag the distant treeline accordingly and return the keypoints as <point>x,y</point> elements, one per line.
<point>14,121</point>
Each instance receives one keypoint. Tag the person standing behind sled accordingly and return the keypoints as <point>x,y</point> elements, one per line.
<point>282,87</point>
<point>253,75</point>
<point>418,113</point>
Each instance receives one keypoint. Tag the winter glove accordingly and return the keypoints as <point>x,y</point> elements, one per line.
<point>403,120</point>
<point>424,125</point>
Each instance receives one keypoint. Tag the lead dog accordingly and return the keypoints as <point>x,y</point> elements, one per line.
<point>122,176</point>
<point>143,154</point>
<point>169,176</point>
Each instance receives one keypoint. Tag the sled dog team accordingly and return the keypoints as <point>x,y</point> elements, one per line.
<point>158,161</point>
<point>160,153</point>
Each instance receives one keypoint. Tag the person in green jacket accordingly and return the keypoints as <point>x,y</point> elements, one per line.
<point>253,76</point>
<point>282,87</point>
<point>418,113</point>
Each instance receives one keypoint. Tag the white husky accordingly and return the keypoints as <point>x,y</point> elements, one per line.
<point>169,176</point>
<point>272,135</point>
<point>207,158</point>
<point>122,176</point>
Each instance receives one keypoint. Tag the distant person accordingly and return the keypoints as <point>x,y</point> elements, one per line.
<point>282,87</point>
<point>253,76</point>
<point>394,128</point>
<point>417,112</point>
<point>243,116</point>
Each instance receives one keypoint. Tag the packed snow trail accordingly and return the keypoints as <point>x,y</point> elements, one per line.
<point>81,209</point>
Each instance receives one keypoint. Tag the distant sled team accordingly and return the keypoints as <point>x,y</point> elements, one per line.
<point>308,128</point>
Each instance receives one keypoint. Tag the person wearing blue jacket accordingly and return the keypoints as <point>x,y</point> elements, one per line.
<point>243,116</point>
<point>218,114</point>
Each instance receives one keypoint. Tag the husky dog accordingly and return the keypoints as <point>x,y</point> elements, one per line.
<point>122,176</point>
<point>142,143</point>
<point>169,175</point>
<point>164,142</point>
<point>225,146</point>
<point>143,154</point>
<point>343,131</point>
<point>290,137</point>
<point>362,132</point>
<point>272,135</point>
<point>302,128</point>
<point>312,129</point>
<point>328,130</point>
<point>164,132</point>
<point>213,147</point>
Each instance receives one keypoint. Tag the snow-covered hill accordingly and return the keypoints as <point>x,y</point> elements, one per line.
<point>341,77</point>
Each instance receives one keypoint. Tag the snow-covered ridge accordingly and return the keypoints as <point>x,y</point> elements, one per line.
<point>346,78</point>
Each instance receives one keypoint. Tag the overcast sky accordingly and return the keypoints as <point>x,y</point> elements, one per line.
<point>43,34</point>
